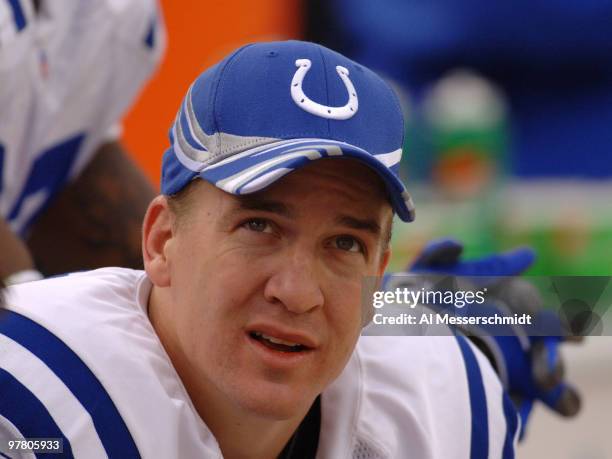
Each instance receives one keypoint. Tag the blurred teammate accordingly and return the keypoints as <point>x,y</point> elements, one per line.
<point>241,339</point>
<point>70,198</point>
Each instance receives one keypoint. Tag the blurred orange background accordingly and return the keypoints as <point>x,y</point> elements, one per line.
<point>199,33</point>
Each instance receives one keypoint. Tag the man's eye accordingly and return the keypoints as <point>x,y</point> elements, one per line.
<point>349,243</point>
<point>257,224</point>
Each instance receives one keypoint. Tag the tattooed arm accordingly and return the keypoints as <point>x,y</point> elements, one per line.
<point>96,220</point>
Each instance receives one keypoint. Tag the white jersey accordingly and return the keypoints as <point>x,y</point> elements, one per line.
<point>67,75</point>
<point>79,360</point>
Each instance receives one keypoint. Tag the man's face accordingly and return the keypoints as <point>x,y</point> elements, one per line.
<point>265,289</point>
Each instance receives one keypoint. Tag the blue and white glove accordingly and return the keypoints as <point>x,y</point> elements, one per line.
<point>530,367</point>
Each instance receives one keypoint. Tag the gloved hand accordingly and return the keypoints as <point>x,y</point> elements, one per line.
<point>529,366</point>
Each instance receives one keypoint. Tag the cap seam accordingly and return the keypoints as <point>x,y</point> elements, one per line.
<point>284,140</point>
<point>220,84</point>
<point>296,136</point>
<point>313,134</point>
<point>244,144</point>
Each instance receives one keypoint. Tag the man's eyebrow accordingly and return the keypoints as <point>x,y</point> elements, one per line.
<point>369,225</point>
<point>280,208</point>
<point>265,205</point>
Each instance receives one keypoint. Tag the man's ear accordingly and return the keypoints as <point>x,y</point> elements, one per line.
<point>157,232</point>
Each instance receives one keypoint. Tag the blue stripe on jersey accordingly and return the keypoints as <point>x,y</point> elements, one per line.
<point>49,174</point>
<point>18,15</point>
<point>150,37</point>
<point>511,425</point>
<point>73,372</point>
<point>479,448</point>
<point>28,414</point>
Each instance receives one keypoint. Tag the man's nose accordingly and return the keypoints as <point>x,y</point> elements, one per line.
<point>295,284</point>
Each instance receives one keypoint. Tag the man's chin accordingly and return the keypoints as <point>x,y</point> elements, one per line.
<point>276,402</point>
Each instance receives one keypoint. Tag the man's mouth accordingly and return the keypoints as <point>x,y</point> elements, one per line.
<point>277,343</point>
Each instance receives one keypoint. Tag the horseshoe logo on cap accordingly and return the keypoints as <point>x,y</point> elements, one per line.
<point>304,102</point>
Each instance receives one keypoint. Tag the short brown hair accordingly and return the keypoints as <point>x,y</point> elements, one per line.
<point>181,203</point>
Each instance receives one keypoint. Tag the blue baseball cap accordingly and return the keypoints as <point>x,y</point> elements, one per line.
<point>270,108</point>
